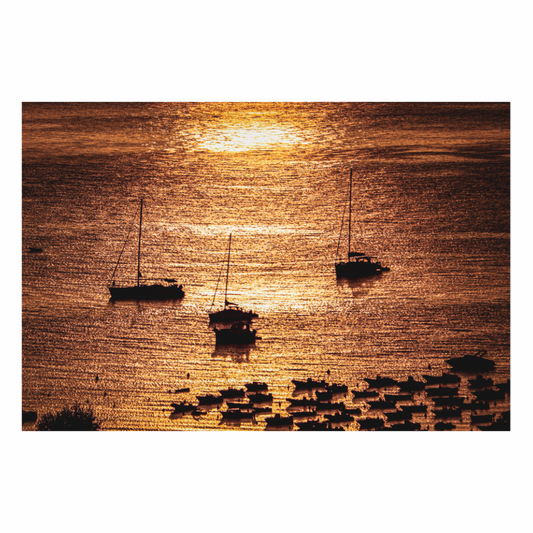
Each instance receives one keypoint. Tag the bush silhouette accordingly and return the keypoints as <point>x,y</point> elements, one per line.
<point>75,418</point>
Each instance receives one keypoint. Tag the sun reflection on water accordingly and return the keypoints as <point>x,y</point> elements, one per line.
<point>247,138</point>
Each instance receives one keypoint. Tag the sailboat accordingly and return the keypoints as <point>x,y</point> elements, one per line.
<point>359,264</point>
<point>166,289</point>
<point>231,311</point>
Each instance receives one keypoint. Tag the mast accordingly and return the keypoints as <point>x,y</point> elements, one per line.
<point>350,218</point>
<point>139,250</point>
<point>227,273</point>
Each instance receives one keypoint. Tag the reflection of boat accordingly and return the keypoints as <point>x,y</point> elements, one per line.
<point>166,289</point>
<point>238,333</point>
<point>471,363</point>
<point>358,264</point>
<point>35,250</point>
<point>231,312</point>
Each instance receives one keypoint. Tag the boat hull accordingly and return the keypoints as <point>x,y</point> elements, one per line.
<point>358,269</point>
<point>231,315</point>
<point>147,292</point>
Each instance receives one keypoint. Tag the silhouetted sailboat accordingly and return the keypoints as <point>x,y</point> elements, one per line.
<point>167,290</point>
<point>358,264</point>
<point>231,312</point>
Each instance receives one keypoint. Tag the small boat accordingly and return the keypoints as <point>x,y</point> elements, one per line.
<point>29,416</point>
<point>209,399</point>
<point>504,387</point>
<point>301,402</point>
<point>381,404</point>
<point>309,384</point>
<point>165,289</point>
<point>448,401</point>
<point>398,397</point>
<point>182,407</point>
<point>323,396</point>
<point>312,425</point>
<point>489,395</point>
<point>442,391</point>
<point>262,410</point>
<point>370,423</point>
<point>472,363</point>
<point>35,250</point>
<point>240,405</point>
<point>480,382</point>
<point>237,414</point>
<point>361,394</point>
<point>329,406</point>
<point>500,424</point>
<point>481,419</point>
<point>406,426</point>
<point>380,382</point>
<point>260,397</point>
<point>278,420</point>
<point>231,393</point>
<point>475,406</point>
<point>419,408</point>
<point>444,379</point>
<point>231,312</point>
<point>256,386</point>
<point>334,388</point>
<point>358,264</point>
<point>442,426</point>
<point>303,414</point>
<point>238,333</point>
<point>339,418</point>
<point>356,411</point>
<point>398,416</point>
<point>447,413</point>
<point>411,385</point>
<point>184,389</point>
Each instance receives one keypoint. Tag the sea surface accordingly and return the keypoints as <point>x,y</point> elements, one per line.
<point>431,200</point>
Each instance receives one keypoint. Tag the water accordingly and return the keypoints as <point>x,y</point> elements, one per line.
<point>431,200</point>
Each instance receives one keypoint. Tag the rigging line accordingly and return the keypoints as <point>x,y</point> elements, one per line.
<point>218,281</point>
<point>340,234</point>
<point>124,246</point>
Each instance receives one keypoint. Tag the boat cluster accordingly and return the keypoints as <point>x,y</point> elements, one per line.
<point>432,402</point>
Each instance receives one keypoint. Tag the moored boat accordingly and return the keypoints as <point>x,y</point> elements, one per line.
<point>164,289</point>
<point>231,312</point>
<point>358,264</point>
<point>472,363</point>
